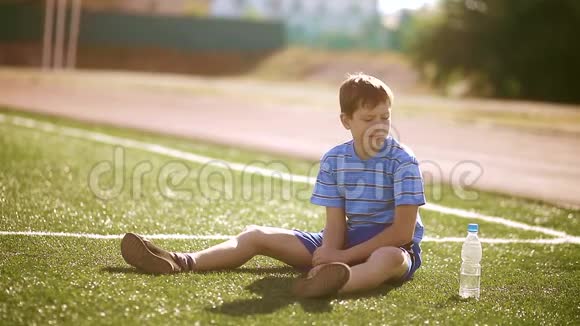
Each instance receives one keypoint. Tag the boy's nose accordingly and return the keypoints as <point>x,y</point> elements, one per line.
<point>379,124</point>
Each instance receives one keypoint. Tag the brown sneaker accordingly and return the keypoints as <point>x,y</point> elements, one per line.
<point>144,255</point>
<point>325,280</point>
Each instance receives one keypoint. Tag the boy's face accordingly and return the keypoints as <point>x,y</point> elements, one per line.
<point>369,126</point>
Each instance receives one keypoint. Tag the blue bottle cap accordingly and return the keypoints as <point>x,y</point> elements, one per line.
<point>473,227</point>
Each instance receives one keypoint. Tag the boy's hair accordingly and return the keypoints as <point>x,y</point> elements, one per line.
<point>362,90</point>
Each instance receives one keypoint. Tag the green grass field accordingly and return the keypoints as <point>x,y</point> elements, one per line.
<point>44,186</point>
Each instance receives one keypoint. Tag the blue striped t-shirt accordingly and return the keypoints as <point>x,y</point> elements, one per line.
<point>369,190</point>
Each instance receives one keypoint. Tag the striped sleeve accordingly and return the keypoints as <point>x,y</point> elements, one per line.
<point>408,187</point>
<point>326,191</point>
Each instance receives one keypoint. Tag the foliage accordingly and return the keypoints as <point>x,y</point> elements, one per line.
<point>512,49</point>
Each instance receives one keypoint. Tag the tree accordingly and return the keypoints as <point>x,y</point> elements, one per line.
<point>513,49</point>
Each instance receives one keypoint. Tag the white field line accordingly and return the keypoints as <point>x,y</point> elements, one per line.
<point>493,219</point>
<point>162,150</point>
<point>573,240</point>
<point>114,236</point>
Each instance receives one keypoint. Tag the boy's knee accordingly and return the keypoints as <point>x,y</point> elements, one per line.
<point>252,233</point>
<point>391,256</point>
<point>251,228</point>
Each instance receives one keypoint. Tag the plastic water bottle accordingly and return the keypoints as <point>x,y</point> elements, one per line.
<point>470,275</point>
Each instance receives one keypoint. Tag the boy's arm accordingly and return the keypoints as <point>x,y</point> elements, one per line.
<point>334,231</point>
<point>398,234</point>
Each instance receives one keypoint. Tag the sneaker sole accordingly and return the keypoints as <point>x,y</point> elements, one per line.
<point>136,254</point>
<point>327,281</point>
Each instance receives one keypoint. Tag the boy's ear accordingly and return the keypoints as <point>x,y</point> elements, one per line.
<point>345,121</point>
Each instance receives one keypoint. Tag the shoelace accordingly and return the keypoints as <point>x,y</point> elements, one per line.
<point>184,261</point>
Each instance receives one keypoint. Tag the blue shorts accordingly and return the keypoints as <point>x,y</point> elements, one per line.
<point>358,234</point>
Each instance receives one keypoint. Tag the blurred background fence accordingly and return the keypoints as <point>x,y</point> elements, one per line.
<point>115,40</point>
<point>516,49</point>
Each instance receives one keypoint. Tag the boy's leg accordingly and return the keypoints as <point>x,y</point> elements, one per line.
<point>277,243</point>
<point>386,263</point>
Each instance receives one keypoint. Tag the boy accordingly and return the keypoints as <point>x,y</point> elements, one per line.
<point>371,187</point>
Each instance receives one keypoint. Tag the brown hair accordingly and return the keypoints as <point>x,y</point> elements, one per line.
<point>362,90</point>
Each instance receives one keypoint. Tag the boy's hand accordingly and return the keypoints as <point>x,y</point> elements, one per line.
<point>325,255</point>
